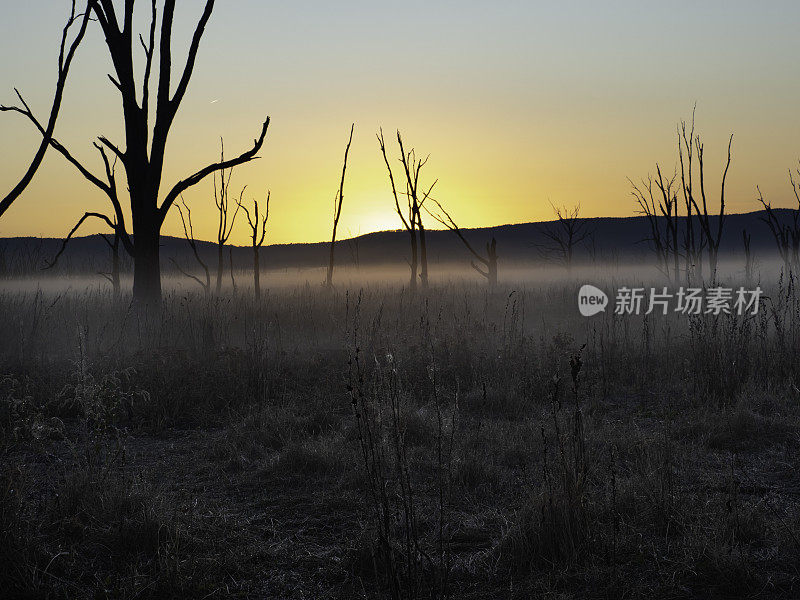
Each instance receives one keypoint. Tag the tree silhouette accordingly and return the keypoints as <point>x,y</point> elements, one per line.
<point>660,208</point>
<point>258,229</point>
<point>145,150</point>
<point>337,210</point>
<point>786,235</point>
<point>489,260</point>
<point>221,199</point>
<point>116,223</point>
<point>748,257</point>
<point>412,220</point>
<point>65,56</point>
<point>563,235</point>
<point>710,236</point>
<point>188,233</point>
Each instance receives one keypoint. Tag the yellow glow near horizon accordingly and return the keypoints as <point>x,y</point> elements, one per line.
<point>519,105</point>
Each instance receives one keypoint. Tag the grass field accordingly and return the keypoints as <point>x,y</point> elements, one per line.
<point>367,443</point>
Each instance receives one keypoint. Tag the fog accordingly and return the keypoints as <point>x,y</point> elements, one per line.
<point>730,273</point>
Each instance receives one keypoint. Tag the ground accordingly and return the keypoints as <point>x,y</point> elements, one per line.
<point>368,443</point>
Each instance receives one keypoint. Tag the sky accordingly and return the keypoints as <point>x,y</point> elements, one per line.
<point>520,105</point>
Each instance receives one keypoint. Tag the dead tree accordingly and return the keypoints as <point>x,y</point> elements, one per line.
<point>691,249</point>
<point>412,219</point>
<point>258,229</point>
<point>564,235</point>
<point>113,275</point>
<point>712,237</point>
<point>230,266</point>
<point>650,208</point>
<point>337,210</point>
<point>146,138</point>
<point>221,199</point>
<point>748,256</point>
<point>489,260</point>
<point>660,208</point>
<point>709,237</point>
<point>109,188</point>
<point>352,245</point>
<point>423,246</point>
<point>786,235</point>
<point>65,56</point>
<point>188,233</point>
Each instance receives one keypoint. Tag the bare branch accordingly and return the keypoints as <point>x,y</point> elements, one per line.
<point>64,63</point>
<point>197,177</point>
<point>391,180</point>
<point>80,222</point>
<point>148,53</point>
<point>188,231</point>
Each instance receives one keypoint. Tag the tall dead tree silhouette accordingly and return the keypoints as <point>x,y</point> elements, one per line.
<point>563,235</point>
<point>188,233</point>
<point>706,238</point>
<point>412,220</point>
<point>145,150</point>
<point>692,253</point>
<point>337,210</point>
<point>66,55</point>
<point>221,199</point>
<point>660,207</point>
<point>489,260</point>
<point>258,229</point>
<point>712,235</point>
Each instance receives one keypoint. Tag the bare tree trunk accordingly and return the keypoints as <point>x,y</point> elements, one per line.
<point>675,252</point>
<point>256,272</point>
<point>748,257</point>
<point>423,246</point>
<point>491,263</point>
<point>337,210</point>
<point>230,266</point>
<point>147,264</point>
<point>569,257</point>
<point>414,259</point>
<point>220,267</point>
<point>115,265</point>
<point>258,230</point>
<point>329,277</point>
<point>145,146</point>
<point>115,273</point>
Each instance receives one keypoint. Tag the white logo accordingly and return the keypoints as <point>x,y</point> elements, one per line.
<point>591,300</point>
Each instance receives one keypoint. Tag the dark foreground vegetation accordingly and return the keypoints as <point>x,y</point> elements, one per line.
<point>460,443</point>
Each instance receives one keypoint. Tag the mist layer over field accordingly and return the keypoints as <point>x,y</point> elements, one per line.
<point>515,275</point>
<point>367,441</point>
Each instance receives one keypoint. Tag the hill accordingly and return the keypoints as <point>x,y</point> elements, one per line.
<point>623,239</point>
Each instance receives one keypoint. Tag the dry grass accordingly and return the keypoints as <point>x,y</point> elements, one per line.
<point>367,443</point>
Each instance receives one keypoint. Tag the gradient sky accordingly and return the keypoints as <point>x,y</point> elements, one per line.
<point>519,103</point>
